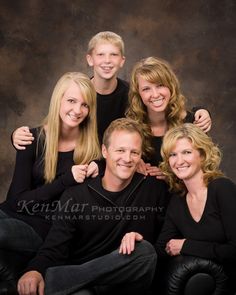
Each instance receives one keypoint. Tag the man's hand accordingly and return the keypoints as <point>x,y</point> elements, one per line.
<point>31,283</point>
<point>127,245</point>
<point>203,120</point>
<point>22,137</point>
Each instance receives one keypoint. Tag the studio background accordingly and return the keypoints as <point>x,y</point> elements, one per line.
<point>41,40</point>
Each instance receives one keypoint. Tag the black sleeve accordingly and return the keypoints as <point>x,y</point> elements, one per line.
<point>225,191</point>
<point>197,108</point>
<point>21,187</point>
<point>190,116</point>
<point>55,249</point>
<point>12,139</point>
<point>101,166</point>
<point>168,231</point>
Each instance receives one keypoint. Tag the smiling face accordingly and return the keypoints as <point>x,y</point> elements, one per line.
<point>106,60</point>
<point>154,96</point>
<point>122,157</point>
<point>73,108</point>
<point>185,160</point>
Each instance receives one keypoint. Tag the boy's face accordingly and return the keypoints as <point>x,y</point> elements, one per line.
<point>106,60</point>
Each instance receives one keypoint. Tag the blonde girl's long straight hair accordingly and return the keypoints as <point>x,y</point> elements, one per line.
<point>87,146</point>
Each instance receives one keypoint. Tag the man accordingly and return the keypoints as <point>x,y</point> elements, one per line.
<point>81,249</point>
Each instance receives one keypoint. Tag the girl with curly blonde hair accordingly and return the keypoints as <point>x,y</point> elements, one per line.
<point>156,102</point>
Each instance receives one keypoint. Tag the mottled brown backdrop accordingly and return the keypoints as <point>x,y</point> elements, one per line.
<point>40,40</point>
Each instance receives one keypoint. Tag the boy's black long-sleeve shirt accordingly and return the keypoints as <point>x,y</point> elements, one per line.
<point>111,106</point>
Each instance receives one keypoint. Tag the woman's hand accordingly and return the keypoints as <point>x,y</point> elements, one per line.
<point>21,137</point>
<point>127,245</point>
<point>79,172</point>
<point>92,170</point>
<point>203,120</point>
<point>154,171</point>
<point>147,169</point>
<point>141,168</point>
<point>174,246</point>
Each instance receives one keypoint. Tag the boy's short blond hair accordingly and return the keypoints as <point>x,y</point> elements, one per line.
<point>106,36</point>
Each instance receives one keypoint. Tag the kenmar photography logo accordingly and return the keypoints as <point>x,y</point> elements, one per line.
<point>85,211</point>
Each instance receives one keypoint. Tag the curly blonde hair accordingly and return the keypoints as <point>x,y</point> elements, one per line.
<point>210,154</point>
<point>158,71</point>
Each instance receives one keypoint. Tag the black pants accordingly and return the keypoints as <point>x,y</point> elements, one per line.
<point>113,273</point>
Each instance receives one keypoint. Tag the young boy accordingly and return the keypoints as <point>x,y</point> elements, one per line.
<point>106,55</point>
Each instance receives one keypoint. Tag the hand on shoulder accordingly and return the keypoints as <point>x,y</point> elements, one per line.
<point>22,137</point>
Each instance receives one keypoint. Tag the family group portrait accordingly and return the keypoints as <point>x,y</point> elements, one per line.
<point>117,132</point>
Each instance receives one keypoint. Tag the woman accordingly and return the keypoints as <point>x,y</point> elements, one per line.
<point>60,157</point>
<point>200,219</point>
<point>155,100</point>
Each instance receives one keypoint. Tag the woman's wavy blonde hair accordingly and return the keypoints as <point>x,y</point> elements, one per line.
<point>158,71</point>
<point>210,154</point>
<point>87,146</point>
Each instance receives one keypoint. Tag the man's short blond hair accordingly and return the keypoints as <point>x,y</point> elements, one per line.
<point>109,37</point>
<point>122,124</point>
